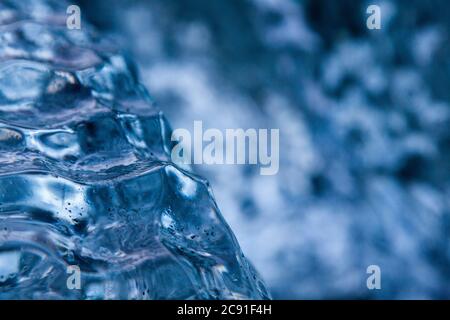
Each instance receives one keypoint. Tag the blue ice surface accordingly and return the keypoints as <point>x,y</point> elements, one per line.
<point>364,131</point>
<point>86,178</point>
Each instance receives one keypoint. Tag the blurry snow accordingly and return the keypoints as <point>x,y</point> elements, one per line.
<point>364,132</point>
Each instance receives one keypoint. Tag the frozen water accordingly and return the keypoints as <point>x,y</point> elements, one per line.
<point>86,178</point>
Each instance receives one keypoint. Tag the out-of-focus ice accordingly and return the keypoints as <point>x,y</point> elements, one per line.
<point>364,132</point>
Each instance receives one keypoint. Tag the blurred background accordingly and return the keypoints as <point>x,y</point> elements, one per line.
<point>364,130</point>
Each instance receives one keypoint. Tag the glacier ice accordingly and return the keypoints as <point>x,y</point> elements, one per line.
<point>364,171</point>
<point>86,178</point>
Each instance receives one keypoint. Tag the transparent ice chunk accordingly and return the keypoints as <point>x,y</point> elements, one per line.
<point>86,179</point>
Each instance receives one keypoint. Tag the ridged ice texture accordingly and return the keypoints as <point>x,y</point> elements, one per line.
<point>86,177</point>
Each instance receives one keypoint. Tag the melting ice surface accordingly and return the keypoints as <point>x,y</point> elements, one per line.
<point>86,178</point>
